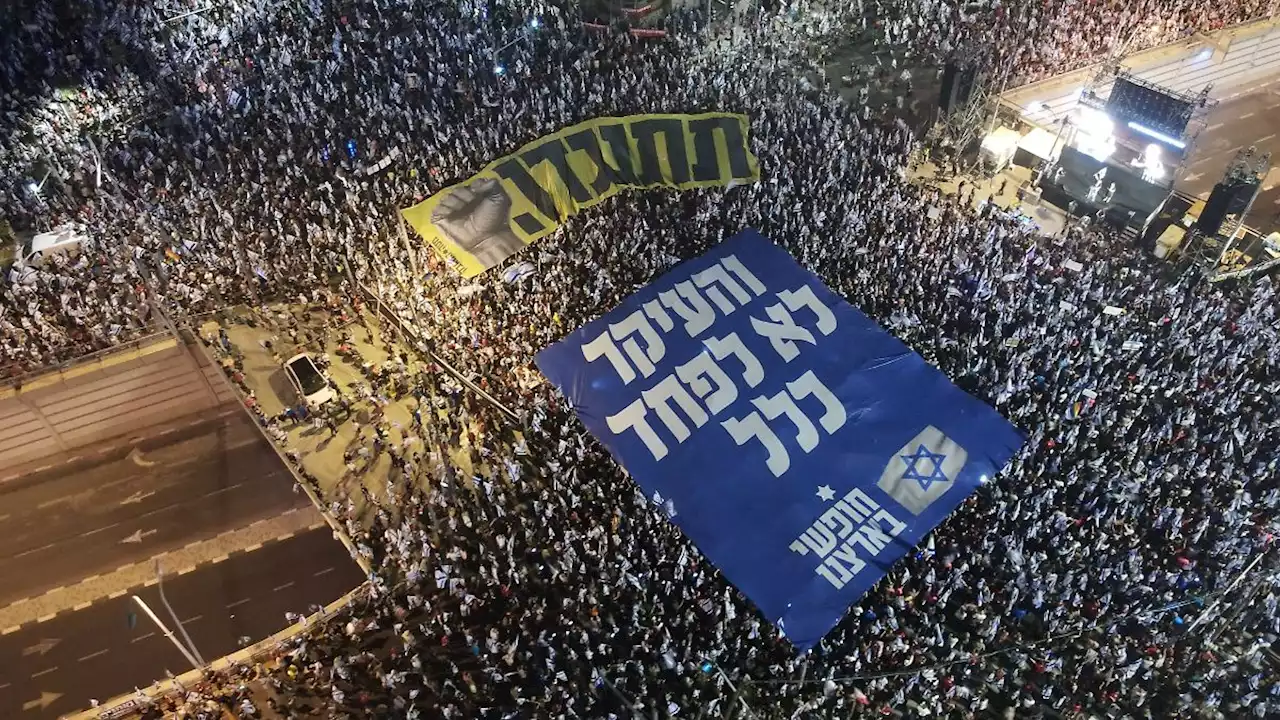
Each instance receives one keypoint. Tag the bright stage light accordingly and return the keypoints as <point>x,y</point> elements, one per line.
<point>1157,135</point>
<point>498,69</point>
<point>1094,122</point>
<point>1001,142</point>
<point>1151,163</point>
<point>1095,133</point>
<point>1098,147</point>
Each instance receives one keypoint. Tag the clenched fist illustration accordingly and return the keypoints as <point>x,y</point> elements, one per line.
<point>477,218</point>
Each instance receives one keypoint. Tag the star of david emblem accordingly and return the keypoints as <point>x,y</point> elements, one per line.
<point>924,467</point>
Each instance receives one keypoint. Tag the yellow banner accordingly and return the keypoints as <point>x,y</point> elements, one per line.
<point>524,196</point>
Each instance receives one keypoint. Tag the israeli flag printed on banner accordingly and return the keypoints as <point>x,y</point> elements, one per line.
<point>799,446</point>
<point>923,470</point>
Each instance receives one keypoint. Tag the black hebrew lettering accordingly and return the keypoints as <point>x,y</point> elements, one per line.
<point>645,133</point>
<point>511,169</point>
<point>706,165</point>
<point>624,167</point>
<point>554,152</point>
<point>586,141</point>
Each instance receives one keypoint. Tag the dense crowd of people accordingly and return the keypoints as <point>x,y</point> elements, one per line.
<point>236,170</point>
<point>1022,42</point>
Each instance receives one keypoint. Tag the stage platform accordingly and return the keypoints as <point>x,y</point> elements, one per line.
<point>1242,65</point>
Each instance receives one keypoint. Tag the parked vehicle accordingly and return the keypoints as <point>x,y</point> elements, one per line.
<point>311,384</point>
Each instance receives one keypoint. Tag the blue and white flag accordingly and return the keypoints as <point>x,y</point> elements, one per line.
<point>518,272</point>
<point>805,449</point>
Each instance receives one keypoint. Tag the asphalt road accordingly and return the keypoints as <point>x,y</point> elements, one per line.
<point>1249,120</point>
<point>56,667</point>
<point>192,484</point>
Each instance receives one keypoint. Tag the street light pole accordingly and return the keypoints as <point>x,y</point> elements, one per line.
<point>181,628</point>
<point>168,633</point>
<point>1204,615</point>
<point>736,693</point>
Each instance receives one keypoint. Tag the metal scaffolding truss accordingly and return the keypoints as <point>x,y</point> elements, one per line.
<point>965,124</point>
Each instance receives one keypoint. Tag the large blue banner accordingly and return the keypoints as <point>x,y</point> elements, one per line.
<point>802,448</point>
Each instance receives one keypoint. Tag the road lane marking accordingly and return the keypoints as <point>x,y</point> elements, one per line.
<point>220,491</point>
<point>1214,126</point>
<point>285,586</point>
<point>251,548</point>
<point>86,658</point>
<point>9,630</point>
<point>324,571</point>
<point>1261,139</point>
<point>140,638</point>
<point>33,551</point>
<point>1246,115</point>
<point>188,621</point>
<point>95,532</point>
<point>45,700</point>
<point>81,606</point>
<point>136,456</point>
<point>138,536</point>
<point>43,672</point>
<point>137,497</point>
<point>170,506</point>
<point>41,648</point>
<point>238,602</point>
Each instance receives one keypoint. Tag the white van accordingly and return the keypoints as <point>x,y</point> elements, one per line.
<point>63,241</point>
<point>311,384</point>
<point>32,254</point>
